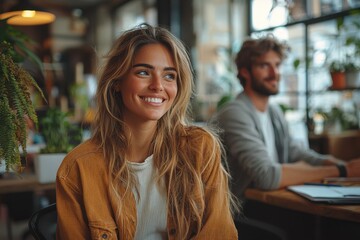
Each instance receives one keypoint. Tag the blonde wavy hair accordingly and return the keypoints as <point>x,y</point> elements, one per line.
<point>109,128</point>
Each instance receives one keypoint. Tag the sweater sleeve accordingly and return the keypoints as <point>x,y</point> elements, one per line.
<point>298,152</point>
<point>248,159</point>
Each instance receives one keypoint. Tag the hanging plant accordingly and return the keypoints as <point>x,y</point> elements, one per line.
<point>15,102</point>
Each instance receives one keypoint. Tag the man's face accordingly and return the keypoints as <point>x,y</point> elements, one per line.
<point>265,74</point>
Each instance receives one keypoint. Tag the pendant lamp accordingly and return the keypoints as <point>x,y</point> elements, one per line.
<point>25,13</point>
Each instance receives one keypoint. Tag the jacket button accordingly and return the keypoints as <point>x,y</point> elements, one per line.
<point>104,236</point>
<point>172,231</point>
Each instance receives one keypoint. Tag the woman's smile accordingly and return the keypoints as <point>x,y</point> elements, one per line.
<point>149,88</point>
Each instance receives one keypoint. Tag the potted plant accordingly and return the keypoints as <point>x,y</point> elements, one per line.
<point>15,99</point>
<point>60,136</point>
<point>352,75</point>
<point>337,73</point>
<point>337,119</point>
<point>352,44</point>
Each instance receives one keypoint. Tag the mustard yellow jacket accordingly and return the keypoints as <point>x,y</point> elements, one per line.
<point>87,209</point>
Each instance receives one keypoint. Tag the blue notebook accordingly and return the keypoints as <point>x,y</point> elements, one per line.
<point>328,194</point>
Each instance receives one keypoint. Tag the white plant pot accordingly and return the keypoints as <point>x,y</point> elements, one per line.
<point>46,166</point>
<point>353,79</point>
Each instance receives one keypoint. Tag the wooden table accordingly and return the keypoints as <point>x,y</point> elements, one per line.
<point>23,183</point>
<point>289,200</point>
<point>302,219</point>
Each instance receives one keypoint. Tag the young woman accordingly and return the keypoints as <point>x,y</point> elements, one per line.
<point>145,173</point>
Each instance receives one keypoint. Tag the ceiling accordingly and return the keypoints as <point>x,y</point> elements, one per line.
<point>72,3</point>
<point>69,4</point>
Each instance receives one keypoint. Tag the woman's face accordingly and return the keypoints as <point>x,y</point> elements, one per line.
<point>149,88</point>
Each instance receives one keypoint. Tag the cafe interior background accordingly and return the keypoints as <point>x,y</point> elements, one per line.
<point>321,114</point>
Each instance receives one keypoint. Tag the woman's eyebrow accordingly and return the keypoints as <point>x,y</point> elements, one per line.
<point>152,67</point>
<point>143,65</point>
<point>170,69</point>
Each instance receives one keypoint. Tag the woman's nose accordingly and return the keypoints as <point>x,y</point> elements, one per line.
<point>156,83</point>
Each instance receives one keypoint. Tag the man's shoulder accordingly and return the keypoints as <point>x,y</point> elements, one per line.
<point>238,102</point>
<point>234,112</point>
<point>236,106</point>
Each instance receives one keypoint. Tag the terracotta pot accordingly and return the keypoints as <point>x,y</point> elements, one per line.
<point>338,80</point>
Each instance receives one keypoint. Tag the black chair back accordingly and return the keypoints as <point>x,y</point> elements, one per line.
<point>42,223</point>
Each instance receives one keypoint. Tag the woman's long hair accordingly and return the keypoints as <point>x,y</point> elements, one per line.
<point>109,128</point>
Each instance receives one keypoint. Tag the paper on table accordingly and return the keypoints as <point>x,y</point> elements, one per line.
<point>328,194</point>
<point>349,191</point>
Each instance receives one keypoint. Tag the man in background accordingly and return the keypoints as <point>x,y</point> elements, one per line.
<point>260,152</point>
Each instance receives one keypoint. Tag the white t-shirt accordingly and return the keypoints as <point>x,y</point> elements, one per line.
<point>268,132</point>
<point>151,207</point>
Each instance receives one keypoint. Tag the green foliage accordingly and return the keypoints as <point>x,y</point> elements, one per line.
<point>348,120</point>
<point>58,132</point>
<point>351,67</point>
<point>79,94</point>
<point>284,108</point>
<point>19,43</point>
<point>296,63</point>
<point>337,66</point>
<point>352,42</point>
<point>15,101</point>
<point>224,99</point>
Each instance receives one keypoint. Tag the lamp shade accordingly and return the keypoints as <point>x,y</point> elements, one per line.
<point>26,14</point>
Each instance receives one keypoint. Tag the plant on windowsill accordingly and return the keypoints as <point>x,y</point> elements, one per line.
<point>60,136</point>
<point>337,73</point>
<point>352,47</point>
<point>352,75</point>
<point>337,120</point>
<point>15,99</point>
<point>349,67</point>
<point>352,66</point>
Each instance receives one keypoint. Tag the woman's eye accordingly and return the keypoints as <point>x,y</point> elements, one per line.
<point>170,76</point>
<point>142,73</point>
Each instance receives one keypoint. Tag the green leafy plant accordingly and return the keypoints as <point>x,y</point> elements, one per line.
<point>15,102</point>
<point>347,119</point>
<point>337,66</point>
<point>351,67</point>
<point>352,42</point>
<point>59,133</point>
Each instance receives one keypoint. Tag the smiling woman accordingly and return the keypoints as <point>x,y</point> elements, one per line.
<point>149,88</point>
<point>145,172</point>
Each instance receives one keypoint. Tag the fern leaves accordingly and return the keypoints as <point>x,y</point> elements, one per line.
<point>15,105</point>
<point>15,101</point>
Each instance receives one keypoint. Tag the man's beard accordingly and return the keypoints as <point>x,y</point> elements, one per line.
<point>261,88</point>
